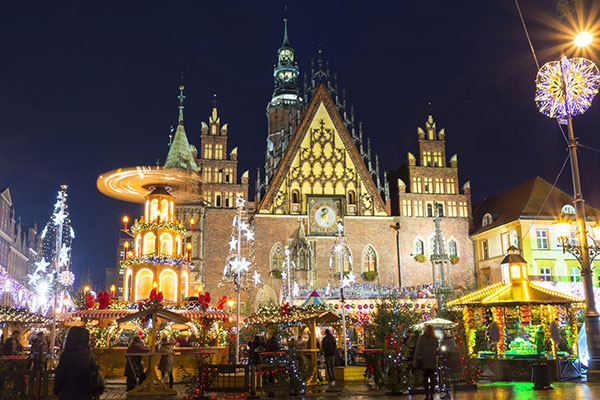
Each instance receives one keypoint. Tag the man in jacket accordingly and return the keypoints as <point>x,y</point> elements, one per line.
<point>329,351</point>
<point>12,346</point>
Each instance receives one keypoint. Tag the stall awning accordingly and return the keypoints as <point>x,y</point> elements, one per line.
<point>115,314</point>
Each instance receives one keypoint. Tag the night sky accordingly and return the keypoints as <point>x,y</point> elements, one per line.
<point>88,87</point>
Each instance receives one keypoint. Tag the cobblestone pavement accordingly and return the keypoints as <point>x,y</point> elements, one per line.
<point>494,391</point>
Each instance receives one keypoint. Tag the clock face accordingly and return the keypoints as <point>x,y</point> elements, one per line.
<point>323,214</point>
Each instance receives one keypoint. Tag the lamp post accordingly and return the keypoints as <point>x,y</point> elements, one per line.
<point>574,83</point>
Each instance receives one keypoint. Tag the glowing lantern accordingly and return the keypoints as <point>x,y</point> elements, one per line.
<point>125,220</point>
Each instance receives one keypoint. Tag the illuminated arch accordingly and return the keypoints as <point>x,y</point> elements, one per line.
<point>153,209</point>
<point>185,284</point>
<point>164,210</point>
<point>143,284</point>
<point>177,245</point>
<point>166,244</point>
<point>149,243</point>
<point>167,284</point>
<point>127,285</point>
<point>138,245</point>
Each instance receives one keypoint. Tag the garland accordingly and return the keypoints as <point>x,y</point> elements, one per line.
<point>152,259</point>
<point>148,226</point>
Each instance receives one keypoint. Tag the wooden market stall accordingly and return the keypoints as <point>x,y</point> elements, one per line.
<point>511,325</point>
<point>312,313</point>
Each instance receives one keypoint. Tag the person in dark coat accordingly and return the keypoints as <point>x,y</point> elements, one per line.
<point>426,359</point>
<point>255,348</point>
<point>329,351</point>
<point>76,365</point>
<point>134,371</point>
<point>12,346</point>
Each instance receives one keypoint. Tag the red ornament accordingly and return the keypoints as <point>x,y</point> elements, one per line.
<point>222,302</point>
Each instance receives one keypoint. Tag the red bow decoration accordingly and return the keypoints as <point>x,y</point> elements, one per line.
<point>103,300</point>
<point>285,309</point>
<point>221,302</point>
<point>204,300</point>
<point>156,296</point>
<point>89,302</point>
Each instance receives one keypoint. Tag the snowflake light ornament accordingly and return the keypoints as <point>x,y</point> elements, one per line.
<point>66,278</point>
<point>581,80</point>
<point>256,278</point>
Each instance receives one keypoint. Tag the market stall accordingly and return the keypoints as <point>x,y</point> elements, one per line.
<point>511,325</point>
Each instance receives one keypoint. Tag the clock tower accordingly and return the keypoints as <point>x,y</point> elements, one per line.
<point>283,110</point>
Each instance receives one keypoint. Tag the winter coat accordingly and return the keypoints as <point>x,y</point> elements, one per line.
<point>136,346</point>
<point>167,361</point>
<point>426,352</point>
<point>12,347</point>
<point>76,365</point>
<point>272,345</point>
<point>329,346</point>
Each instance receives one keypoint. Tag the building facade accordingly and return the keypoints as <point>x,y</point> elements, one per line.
<point>18,245</point>
<point>425,186</point>
<point>523,216</point>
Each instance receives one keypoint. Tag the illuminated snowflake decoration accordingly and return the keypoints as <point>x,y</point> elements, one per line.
<point>66,278</point>
<point>582,81</point>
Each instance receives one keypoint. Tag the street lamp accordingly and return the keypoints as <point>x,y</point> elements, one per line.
<point>564,89</point>
<point>570,245</point>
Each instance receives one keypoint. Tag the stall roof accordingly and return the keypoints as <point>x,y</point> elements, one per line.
<point>192,314</point>
<point>15,316</point>
<point>506,294</point>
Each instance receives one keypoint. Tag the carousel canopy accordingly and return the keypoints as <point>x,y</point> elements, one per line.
<point>506,294</point>
<point>191,314</point>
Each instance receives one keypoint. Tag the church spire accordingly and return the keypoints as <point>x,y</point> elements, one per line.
<point>180,154</point>
<point>286,41</point>
<point>286,71</point>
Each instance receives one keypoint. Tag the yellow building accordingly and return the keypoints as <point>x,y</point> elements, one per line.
<point>523,216</point>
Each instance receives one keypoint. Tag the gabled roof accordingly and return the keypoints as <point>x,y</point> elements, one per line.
<point>321,96</point>
<point>522,201</point>
<point>6,194</point>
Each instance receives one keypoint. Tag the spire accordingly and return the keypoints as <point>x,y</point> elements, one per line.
<point>286,41</point>
<point>181,98</point>
<point>180,154</point>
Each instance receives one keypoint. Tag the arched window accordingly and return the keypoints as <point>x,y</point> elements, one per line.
<point>452,248</point>
<point>218,200</point>
<point>138,245</point>
<point>487,219</point>
<point>127,286</point>
<point>419,247</point>
<point>369,260</point>
<point>185,284</point>
<point>429,210</point>
<point>295,196</point>
<point>153,209</point>
<point>168,284</point>
<point>177,245</point>
<point>149,245</point>
<point>351,197</point>
<point>277,257</point>
<point>439,208</point>
<point>164,210</point>
<point>166,244</point>
<point>143,284</point>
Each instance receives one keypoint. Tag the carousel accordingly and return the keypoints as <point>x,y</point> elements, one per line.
<point>511,325</point>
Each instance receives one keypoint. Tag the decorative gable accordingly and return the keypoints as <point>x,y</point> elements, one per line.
<point>322,160</point>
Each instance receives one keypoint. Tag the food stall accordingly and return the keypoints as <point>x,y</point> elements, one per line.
<point>509,326</point>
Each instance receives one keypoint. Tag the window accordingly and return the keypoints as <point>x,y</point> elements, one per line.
<point>439,208</point>
<point>488,279</point>
<point>451,209</point>
<point>542,238</point>
<point>546,274</point>
<point>450,188</point>
<point>208,151</point>
<point>418,208</point>
<point>574,274</point>
<point>419,247</point>
<point>429,210</point>
<point>277,257</point>
<point>439,185</point>
<point>485,250</point>
<point>351,197</point>
<point>295,196</point>
<point>219,151</point>
<point>428,185</point>
<point>218,200</point>
<point>206,174</point>
<point>452,251</point>
<point>426,158</point>
<point>369,260</point>
<point>462,209</point>
<point>505,240</point>
<point>437,159</point>
<point>416,185</point>
<point>486,220</point>
<point>407,208</point>
<point>149,243</point>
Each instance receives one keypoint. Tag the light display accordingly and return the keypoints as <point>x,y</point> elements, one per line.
<point>153,259</point>
<point>172,226</point>
<point>581,79</point>
<point>239,268</point>
<point>21,296</point>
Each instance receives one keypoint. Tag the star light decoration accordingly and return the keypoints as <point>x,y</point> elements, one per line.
<point>581,80</point>
<point>238,269</point>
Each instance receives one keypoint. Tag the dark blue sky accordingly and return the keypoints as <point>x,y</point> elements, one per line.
<point>89,87</point>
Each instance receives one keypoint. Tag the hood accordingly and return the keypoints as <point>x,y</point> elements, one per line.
<point>77,338</point>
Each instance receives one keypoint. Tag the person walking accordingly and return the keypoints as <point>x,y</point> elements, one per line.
<point>39,350</point>
<point>426,359</point>
<point>75,368</point>
<point>330,351</point>
<point>165,365</point>
<point>134,371</point>
<point>13,346</point>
